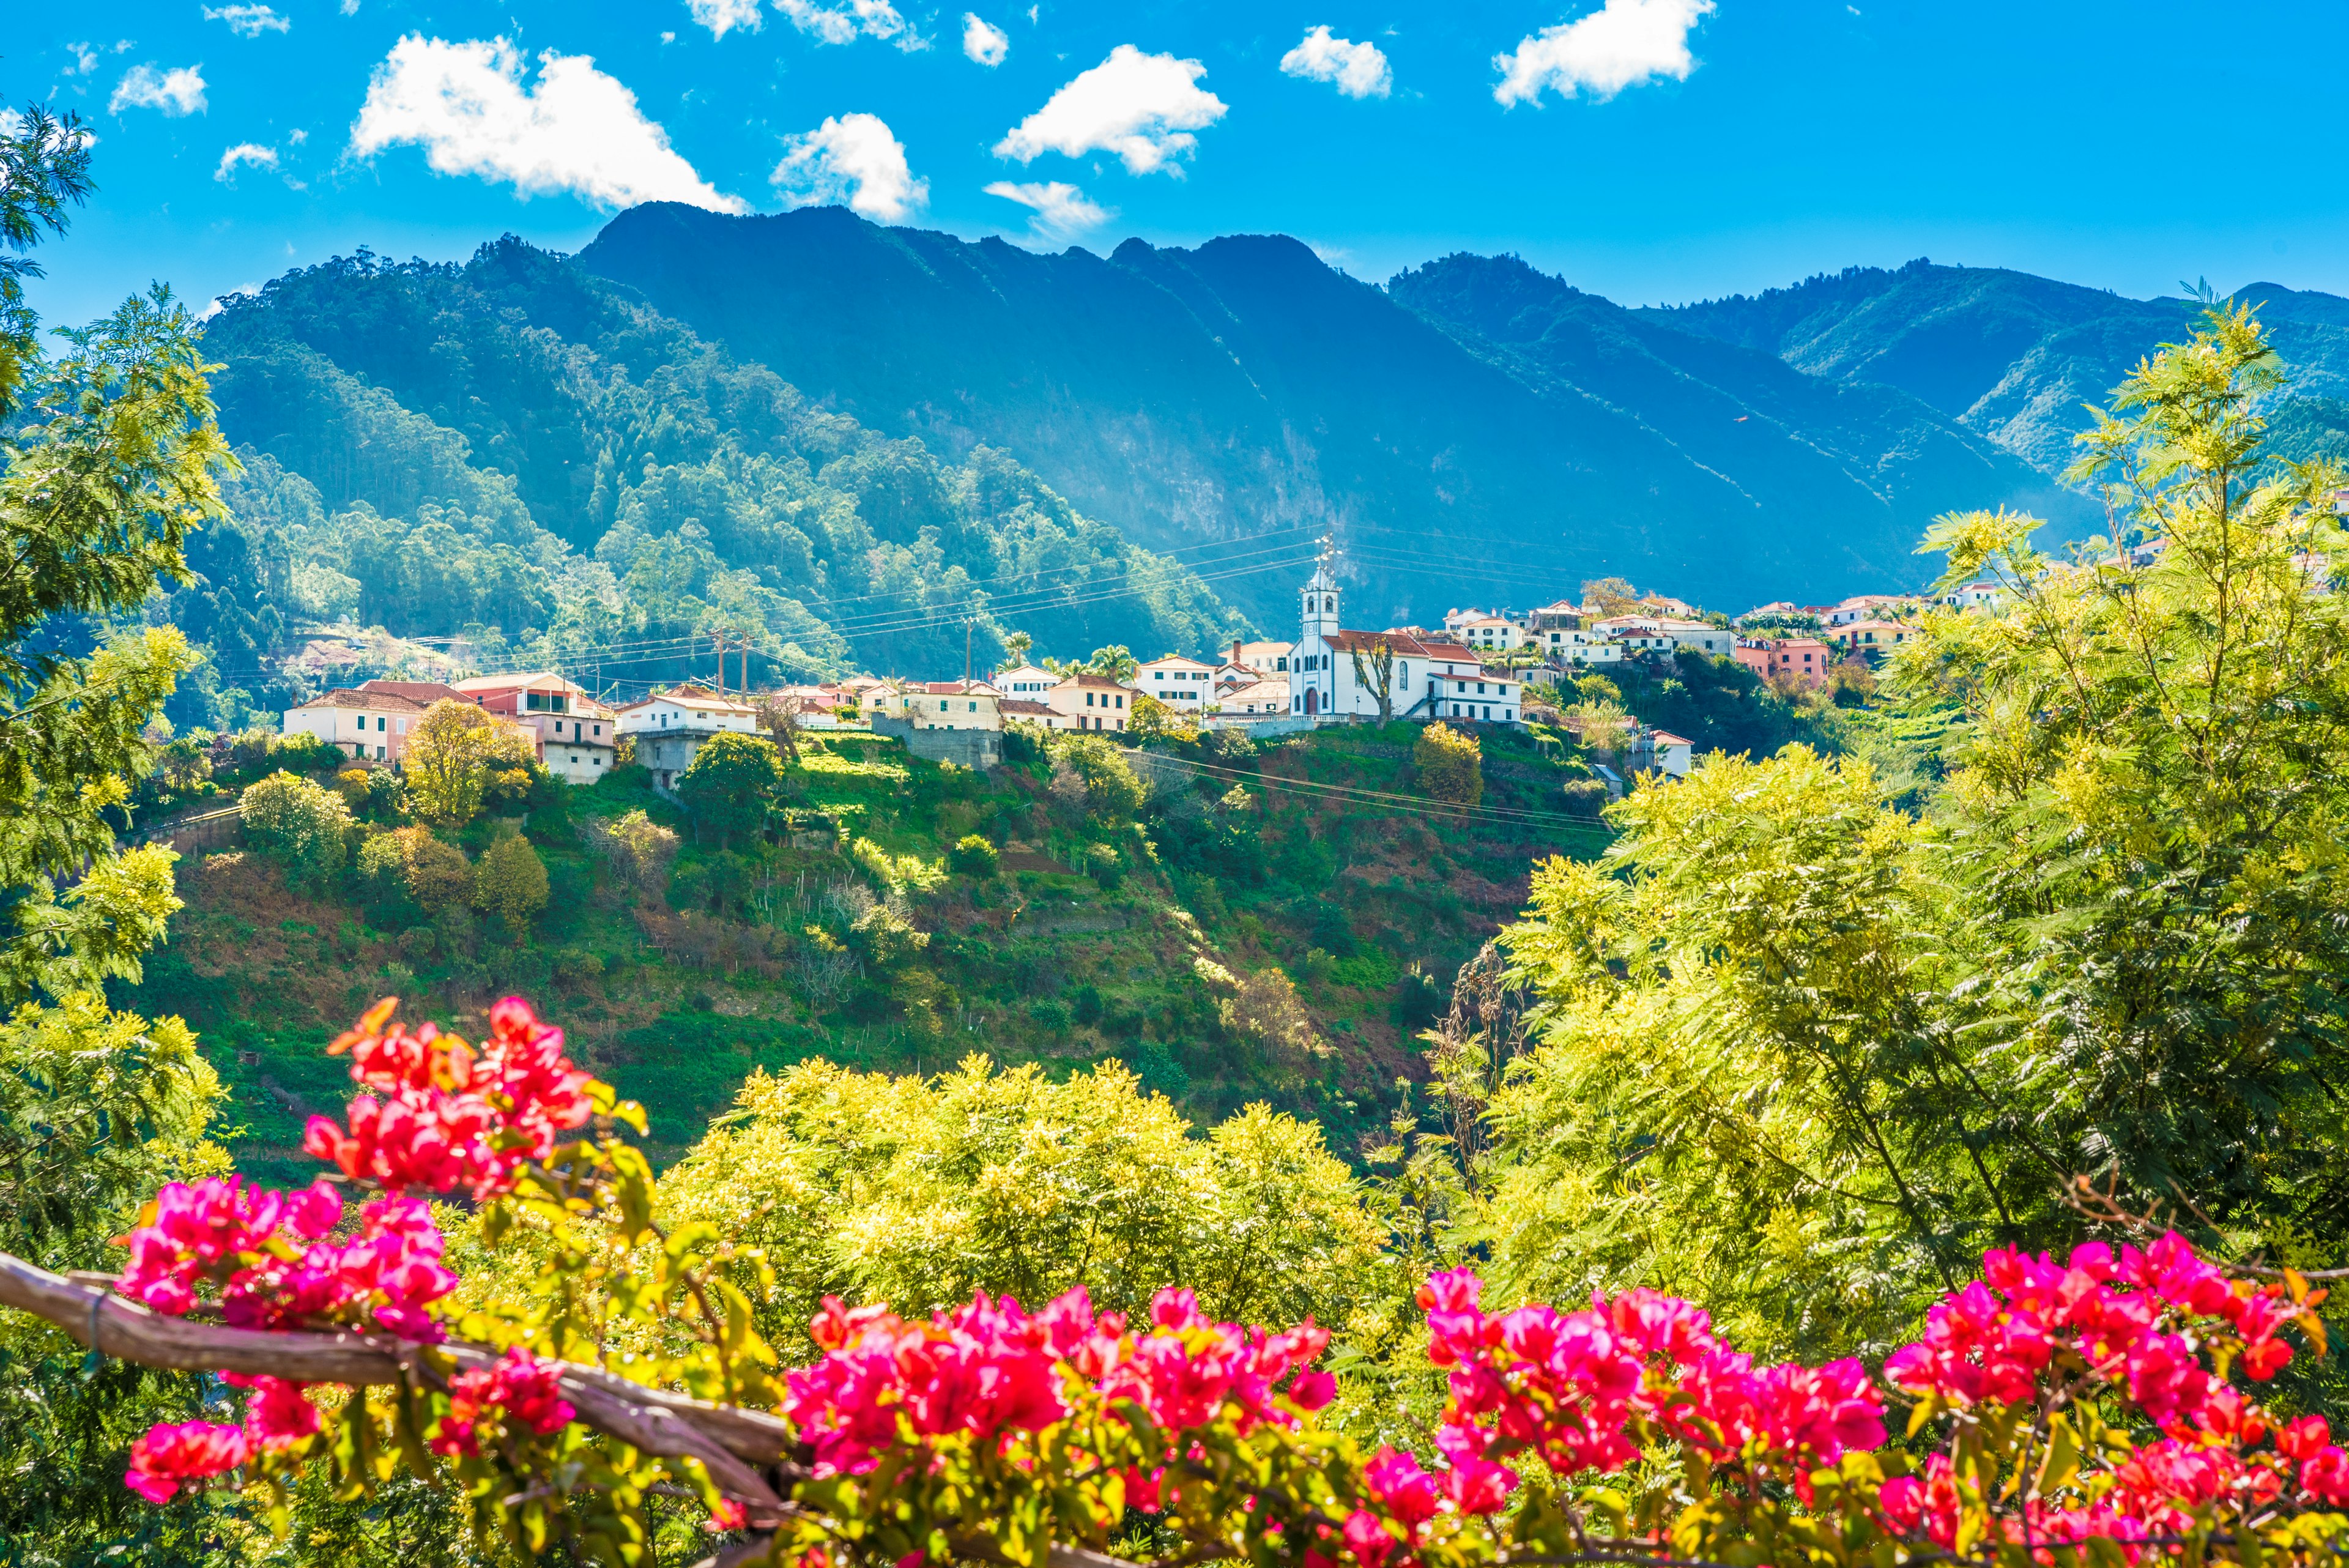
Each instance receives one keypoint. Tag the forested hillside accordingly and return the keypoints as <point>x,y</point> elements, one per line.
<point>2016,358</point>
<point>1210,393</point>
<point>512,451</point>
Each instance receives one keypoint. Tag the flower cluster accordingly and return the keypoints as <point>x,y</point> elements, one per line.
<point>268,1255</point>
<point>522,1391</point>
<point>2131,1324</point>
<point>2116,1317</point>
<point>432,1116</point>
<point>992,1369</point>
<point>166,1456</point>
<point>436,1117</point>
<point>278,1415</point>
<point>1582,1389</point>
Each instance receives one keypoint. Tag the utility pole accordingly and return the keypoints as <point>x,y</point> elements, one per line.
<point>965,653</point>
<point>720,636</point>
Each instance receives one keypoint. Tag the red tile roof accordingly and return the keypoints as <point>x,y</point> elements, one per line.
<point>373,702</point>
<point>1405,646</point>
<point>426,693</point>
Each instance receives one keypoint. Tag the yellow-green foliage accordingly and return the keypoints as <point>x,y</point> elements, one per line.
<point>917,1191</point>
<point>1450,765</point>
<point>897,874</point>
<point>837,764</point>
<point>510,882</point>
<point>1731,1002</point>
<point>299,824</point>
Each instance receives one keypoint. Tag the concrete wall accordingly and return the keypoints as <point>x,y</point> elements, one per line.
<point>965,748</point>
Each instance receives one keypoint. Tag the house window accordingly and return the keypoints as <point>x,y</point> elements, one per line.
<point>1089,699</point>
<point>1120,701</point>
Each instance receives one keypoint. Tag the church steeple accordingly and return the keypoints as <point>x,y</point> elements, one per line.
<point>1320,601</point>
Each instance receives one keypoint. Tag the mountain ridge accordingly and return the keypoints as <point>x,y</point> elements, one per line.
<point>1205,393</point>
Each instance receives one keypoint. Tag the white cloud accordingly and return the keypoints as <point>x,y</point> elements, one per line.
<point>178,91</point>
<point>1062,211</point>
<point>579,131</point>
<point>722,16</point>
<point>1621,44</point>
<point>841,24</point>
<point>1141,107</point>
<point>296,137</point>
<point>852,158</point>
<point>983,41</point>
<point>84,62</point>
<point>249,21</point>
<point>251,152</point>
<point>1358,69</point>
<point>350,7</point>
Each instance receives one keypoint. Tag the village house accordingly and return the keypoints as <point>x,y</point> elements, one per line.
<point>1425,679</point>
<point>1264,658</point>
<point>368,726</point>
<point>1258,701</point>
<point>671,727</point>
<point>1866,606</point>
<point>1184,684</point>
<point>572,735</point>
<point>1027,680</point>
<point>1089,701</point>
<point>1486,633</point>
<point>1871,635</point>
<point>1805,658</point>
<point>1660,752</point>
<point>1978,594</point>
<point>940,705</point>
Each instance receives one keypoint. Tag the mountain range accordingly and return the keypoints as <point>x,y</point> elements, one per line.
<point>869,445</point>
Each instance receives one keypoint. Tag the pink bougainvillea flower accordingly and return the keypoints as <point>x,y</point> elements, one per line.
<point>166,1456</point>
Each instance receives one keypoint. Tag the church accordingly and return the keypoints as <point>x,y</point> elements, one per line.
<point>1424,680</point>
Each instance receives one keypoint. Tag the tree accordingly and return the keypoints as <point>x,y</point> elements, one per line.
<point>1374,673</point>
<point>780,715</point>
<point>1117,663</point>
<point>1110,789</point>
<point>2111,935</point>
<point>1150,719</point>
<point>1450,765</point>
<point>2149,783</point>
<point>511,883</point>
<point>731,784</point>
<point>452,752</point>
<point>431,874</point>
<point>642,850</point>
<point>109,458</point>
<point>1610,596</point>
<point>301,826</point>
<point>1015,651</point>
<point>185,764</point>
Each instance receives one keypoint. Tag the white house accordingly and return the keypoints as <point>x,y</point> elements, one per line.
<point>1427,679</point>
<point>1260,700</point>
<point>1865,607</point>
<point>1979,595</point>
<point>1264,658</point>
<point>671,728</point>
<point>371,726</point>
<point>941,705</point>
<point>1027,682</point>
<point>1486,633</point>
<point>1184,684</point>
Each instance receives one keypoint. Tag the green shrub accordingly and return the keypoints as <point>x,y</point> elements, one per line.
<point>298,824</point>
<point>1102,865</point>
<point>974,856</point>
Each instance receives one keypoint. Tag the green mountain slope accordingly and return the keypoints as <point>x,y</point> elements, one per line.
<point>1213,393</point>
<point>512,451</point>
<point>2013,356</point>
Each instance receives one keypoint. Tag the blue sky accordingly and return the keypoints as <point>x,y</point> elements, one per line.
<point>1647,150</point>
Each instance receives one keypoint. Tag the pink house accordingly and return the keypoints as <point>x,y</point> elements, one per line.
<point>1807,658</point>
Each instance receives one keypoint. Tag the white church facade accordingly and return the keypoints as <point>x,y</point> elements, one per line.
<point>1424,680</point>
